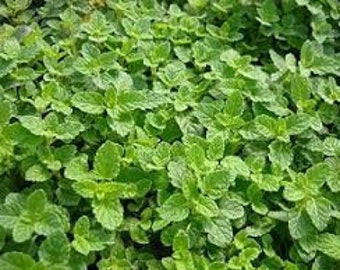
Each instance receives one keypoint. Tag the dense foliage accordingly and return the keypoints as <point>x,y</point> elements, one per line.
<point>176,135</point>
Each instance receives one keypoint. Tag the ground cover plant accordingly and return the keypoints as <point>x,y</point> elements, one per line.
<point>176,135</point>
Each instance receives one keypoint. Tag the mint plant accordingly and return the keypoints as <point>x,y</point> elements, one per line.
<point>169,135</point>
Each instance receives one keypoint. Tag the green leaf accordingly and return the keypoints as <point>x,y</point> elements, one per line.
<point>89,102</point>
<point>299,224</point>
<point>294,192</point>
<point>33,123</point>
<point>281,154</point>
<point>318,175</point>
<point>206,206</point>
<point>107,160</point>
<point>319,211</point>
<point>268,12</point>
<point>298,123</point>
<point>5,112</point>
<point>235,104</point>
<point>216,148</point>
<point>85,188</point>
<point>196,157</point>
<point>199,4</point>
<point>181,241</point>
<point>216,184</point>
<point>77,169</point>
<point>10,210</point>
<point>35,200</point>
<point>266,126</point>
<point>329,244</point>
<point>108,212</point>
<point>87,240</point>
<point>331,146</point>
<point>16,261</point>
<point>235,165</point>
<point>231,209</point>
<point>175,208</point>
<point>334,172</point>
<point>22,231</point>
<point>55,249</point>
<point>314,58</point>
<point>37,173</point>
<point>300,88</point>
<point>220,232</point>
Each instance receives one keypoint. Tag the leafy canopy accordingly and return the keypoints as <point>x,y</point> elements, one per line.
<point>175,135</point>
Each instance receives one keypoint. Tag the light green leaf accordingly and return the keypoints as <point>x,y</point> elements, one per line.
<point>206,206</point>
<point>319,211</point>
<point>334,172</point>
<point>281,154</point>
<point>10,210</point>
<point>231,209</point>
<point>266,126</point>
<point>300,88</point>
<point>294,191</point>
<point>216,148</point>
<point>181,241</point>
<point>299,224</point>
<point>108,212</point>
<point>37,173</point>
<point>298,123</point>
<point>220,232</point>
<point>216,184</point>
<point>331,146</point>
<point>85,188</point>
<point>196,157</point>
<point>235,165</point>
<point>77,169</point>
<point>33,123</point>
<point>23,231</point>
<point>89,102</point>
<point>267,182</point>
<point>175,208</point>
<point>87,240</point>
<point>329,244</point>
<point>107,160</point>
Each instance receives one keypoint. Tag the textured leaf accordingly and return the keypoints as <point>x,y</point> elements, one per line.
<point>89,102</point>
<point>55,249</point>
<point>319,211</point>
<point>174,208</point>
<point>329,244</point>
<point>318,174</point>
<point>16,261</point>
<point>266,126</point>
<point>220,232</point>
<point>206,206</point>
<point>108,212</point>
<point>37,173</point>
<point>107,160</point>
<point>234,105</point>
<point>5,112</point>
<point>235,165</point>
<point>181,241</point>
<point>299,224</point>
<point>281,154</point>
